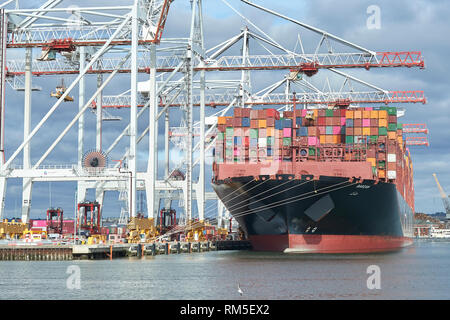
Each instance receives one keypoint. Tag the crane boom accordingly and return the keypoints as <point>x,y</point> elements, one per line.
<point>443,196</point>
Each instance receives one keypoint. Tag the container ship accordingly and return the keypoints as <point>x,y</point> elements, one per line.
<point>316,181</point>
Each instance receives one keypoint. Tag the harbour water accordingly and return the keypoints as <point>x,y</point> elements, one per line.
<point>417,272</point>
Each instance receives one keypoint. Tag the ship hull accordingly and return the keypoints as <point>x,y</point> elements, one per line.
<point>327,215</point>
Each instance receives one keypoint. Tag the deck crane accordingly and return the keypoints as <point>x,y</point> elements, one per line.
<point>443,196</point>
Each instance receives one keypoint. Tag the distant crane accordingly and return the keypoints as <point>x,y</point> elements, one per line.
<point>443,196</point>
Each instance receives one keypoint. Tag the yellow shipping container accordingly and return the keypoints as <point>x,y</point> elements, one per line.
<point>366,132</point>
<point>374,114</point>
<point>349,114</point>
<point>382,114</point>
<point>261,123</point>
<point>382,123</point>
<point>270,131</point>
<point>392,135</point>
<point>400,140</point>
<point>316,113</point>
<point>323,139</point>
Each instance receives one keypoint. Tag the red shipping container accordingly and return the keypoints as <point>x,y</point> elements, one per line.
<point>229,122</point>
<point>392,119</point>
<point>237,112</point>
<point>270,122</point>
<point>313,132</point>
<point>246,141</point>
<point>221,127</point>
<point>288,114</point>
<point>343,112</point>
<point>329,121</point>
<point>373,131</point>
<point>349,131</point>
<point>357,131</point>
<point>322,113</point>
<point>254,124</point>
<point>357,123</point>
<point>321,121</point>
<point>237,122</point>
<point>253,114</point>
<point>246,112</point>
<point>374,123</point>
<point>336,121</point>
<point>271,113</point>
<point>261,114</point>
<point>336,113</point>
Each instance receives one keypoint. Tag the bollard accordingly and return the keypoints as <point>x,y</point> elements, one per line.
<point>153,249</point>
<point>167,248</point>
<point>178,247</point>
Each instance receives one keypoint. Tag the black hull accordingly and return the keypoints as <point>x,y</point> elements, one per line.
<point>330,206</point>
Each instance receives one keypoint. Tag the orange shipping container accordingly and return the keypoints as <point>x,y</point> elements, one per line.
<point>382,114</point>
<point>366,114</point>
<point>270,132</point>
<point>374,114</point>
<point>382,122</point>
<point>358,114</point>
<point>357,131</point>
<point>323,139</point>
<point>261,123</point>
<point>392,135</point>
<point>349,114</point>
<point>372,161</point>
<point>329,139</point>
<point>222,120</point>
<point>381,174</point>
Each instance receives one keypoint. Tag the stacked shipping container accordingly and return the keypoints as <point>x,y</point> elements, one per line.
<point>359,134</point>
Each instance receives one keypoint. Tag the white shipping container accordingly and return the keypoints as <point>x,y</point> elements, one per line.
<point>392,174</point>
<point>391,157</point>
<point>262,142</point>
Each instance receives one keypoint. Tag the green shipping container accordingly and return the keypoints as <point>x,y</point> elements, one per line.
<point>229,152</point>
<point>349,140</point>
<point>312,151</point>
<point>374,171</point>
<point>399,126</point>
<point>381,164</point>
<point>329,113</point>
<point>392,111</point>
<point>254,133</point>
<point>229,132</point>
<point>373,139</point>
<point>270,141</point>
<point>287,141</point>
<point>382,131</point>
<point>392,127</point>
<point>221,136</point>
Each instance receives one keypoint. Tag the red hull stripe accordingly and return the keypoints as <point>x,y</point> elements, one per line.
<point>298,243</point>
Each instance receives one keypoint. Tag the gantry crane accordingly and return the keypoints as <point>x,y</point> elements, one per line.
<point>443,196</point>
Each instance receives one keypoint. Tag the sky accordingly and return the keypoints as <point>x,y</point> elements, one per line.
<point>404,25</point>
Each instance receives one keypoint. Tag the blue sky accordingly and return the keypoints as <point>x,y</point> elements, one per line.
<point>405,26</point>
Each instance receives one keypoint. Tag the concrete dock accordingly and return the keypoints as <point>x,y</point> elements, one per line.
<point>50,252</point>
